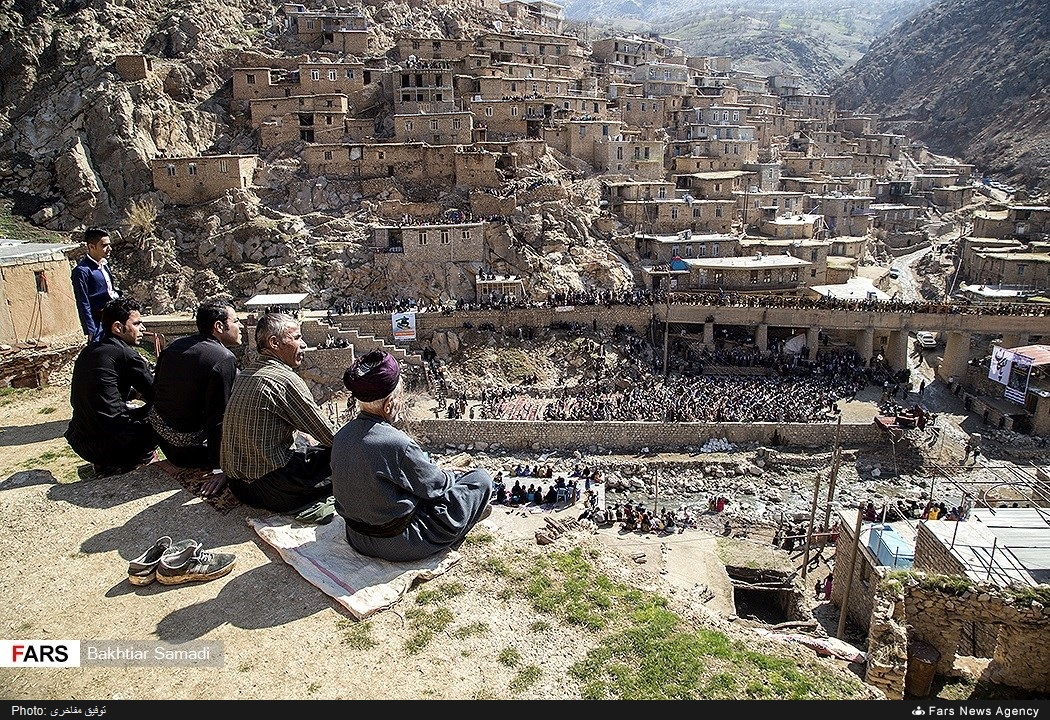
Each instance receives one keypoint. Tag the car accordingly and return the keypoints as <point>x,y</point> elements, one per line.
<point>926,339</point>
<point>895,273</point>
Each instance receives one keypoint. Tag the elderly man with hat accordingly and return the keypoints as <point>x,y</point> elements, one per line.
<point>398,504</point>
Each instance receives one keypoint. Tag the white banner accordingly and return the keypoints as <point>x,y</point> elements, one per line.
<point>999,367</point>
<point>404,326</point>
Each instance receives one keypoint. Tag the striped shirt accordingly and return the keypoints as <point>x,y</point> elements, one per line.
<point>268,402</point>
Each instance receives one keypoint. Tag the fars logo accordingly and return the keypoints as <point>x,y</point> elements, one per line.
<point>40,653</point>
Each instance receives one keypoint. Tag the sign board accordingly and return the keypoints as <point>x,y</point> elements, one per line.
<point>1020,373</point>
<point>404,326</point>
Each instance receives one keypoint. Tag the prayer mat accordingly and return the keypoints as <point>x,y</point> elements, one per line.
<point>192,480</point>
<point>361,584</point>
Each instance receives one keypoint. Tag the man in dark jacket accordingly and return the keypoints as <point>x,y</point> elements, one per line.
<point>93,284</point>
<point>105,429</point>
<point>191,386</point>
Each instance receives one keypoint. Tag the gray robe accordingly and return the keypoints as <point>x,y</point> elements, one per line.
<point>398,504</point>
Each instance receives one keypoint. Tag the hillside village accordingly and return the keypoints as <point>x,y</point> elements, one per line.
<point>457,157</point>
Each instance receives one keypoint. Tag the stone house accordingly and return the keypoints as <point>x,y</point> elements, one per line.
<point>453,242</point>
<point>309,118</point>
<point>539,14</point>
<point>133,67</point>
<point>789,226</point>
<point>674,215</point>
<point>627,50</point>
<point>896,218</point>
<point>632,154</point>
<point>815,252</point>
<point>435,128</point>
<point>765,206</point>
<point>330,30</point>
<point>995,548</point>
<point>753,273</point>
<point>432,48</point>
<point>616,192</point>
<point>1022,222</point>
<point>407,161</point>
<point>550,49</point>
<point>810,105</point>
<point>844,214</point>
<point>422,86</point>
<point>657,249</point>
<point>36,293</point>
<point>202,178</point>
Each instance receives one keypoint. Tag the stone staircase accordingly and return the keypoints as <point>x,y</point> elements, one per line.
<point>316,332</point>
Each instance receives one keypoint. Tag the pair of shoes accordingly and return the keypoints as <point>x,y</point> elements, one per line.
<point>320,513</point>
<point>193,563</point>
<point>143,569</point>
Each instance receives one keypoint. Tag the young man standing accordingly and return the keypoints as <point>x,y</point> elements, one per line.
<point>93,285</point>
<point>191,385</point>
<point>105,430</point>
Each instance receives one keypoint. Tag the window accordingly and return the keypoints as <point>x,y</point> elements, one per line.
<point>619,152</point>
<point>661,193</point>
<point>813,255</point>
<point>332,75</point>
<point>249,79</point>
<point>767,276</point>
<point>719,277</point>
<point>349,74</point>
<point>171,171</point>
<point>718,211</point>
<point>674,213</point>
<point>714,249</point>
<point>1020,270</point>
<point>514,86</point>
<point>327,154</point>
<point>41,281</point>
<point>696,212</point>
<point>434,124</point>
<point>422,237</point>
<point>514,111</point>
<point>408,126</point>
<point>754,277</point>
<point>464,234</point>
<point>605,129</point>
<point>224,165</point>
<point>675,252</point>
<point>445,237</point>
<point>488,112</point>
<point>456,123</point>
<point>192,168</point>
<point>315,74</point>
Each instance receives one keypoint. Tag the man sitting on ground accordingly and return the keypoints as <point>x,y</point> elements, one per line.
<point>269,402</point>
<point>191,385</point>
<point>397,503</point>
<point>105,430</point>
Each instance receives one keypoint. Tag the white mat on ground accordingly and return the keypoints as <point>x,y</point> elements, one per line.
<point>361,584</point>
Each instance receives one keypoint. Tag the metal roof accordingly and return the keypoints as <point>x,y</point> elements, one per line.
<point>285,299</point>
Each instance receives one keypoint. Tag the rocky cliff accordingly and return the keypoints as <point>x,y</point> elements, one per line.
<point>970,78</point>
<point>76,141</point>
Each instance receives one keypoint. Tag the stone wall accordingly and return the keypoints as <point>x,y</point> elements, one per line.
<point>1021,655</point>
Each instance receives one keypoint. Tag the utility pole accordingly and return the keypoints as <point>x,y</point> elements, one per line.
<point>656,490</point>
<point>809,531</point>
<point>835,462</point>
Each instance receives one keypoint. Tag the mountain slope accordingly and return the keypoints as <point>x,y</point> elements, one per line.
<point>970,78</point>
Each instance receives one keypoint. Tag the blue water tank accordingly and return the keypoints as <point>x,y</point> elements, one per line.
<point>890,548</point>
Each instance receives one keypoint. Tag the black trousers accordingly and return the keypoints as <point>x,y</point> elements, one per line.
<point>306,479</point>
